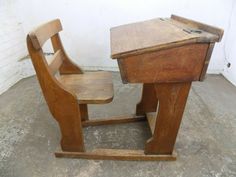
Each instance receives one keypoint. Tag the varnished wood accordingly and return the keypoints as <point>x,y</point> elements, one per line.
<point>43,32</point>
<point>165,55</point>
<point>172,99</point>
<point>177,64</point>
<point>116,154</point>
<point>202,26</point>
<point>114,120</point>
<point>62,100</point>
<point>158,34</point>
<point>90,87</point>
<point>148,102</point>
<point>56,62</point>
<point>68,66</point>
<point>207,61</point>
<point>84,112</point>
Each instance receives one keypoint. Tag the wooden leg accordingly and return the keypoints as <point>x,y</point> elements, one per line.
<point>112,154</point>
<point>84,112</point>
<point>172,99</point>
<point>69,120</point>
<point>148,101</point>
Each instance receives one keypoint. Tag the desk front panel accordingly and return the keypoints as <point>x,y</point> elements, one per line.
<point>179,64</point>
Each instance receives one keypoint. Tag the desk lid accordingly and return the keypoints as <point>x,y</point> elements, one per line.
<point>160,33</point>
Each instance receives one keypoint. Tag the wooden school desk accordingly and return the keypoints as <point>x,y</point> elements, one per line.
<point>166,55</point>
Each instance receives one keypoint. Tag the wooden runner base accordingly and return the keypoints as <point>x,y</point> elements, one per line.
<point>116,154</point>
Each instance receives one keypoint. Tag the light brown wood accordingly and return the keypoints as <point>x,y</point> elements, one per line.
<point>56,62</point>
<point>61,99</point>
<point>116,154</point>
<point>207,61</point>
<point>172,100</point>
<point>84,112</point>
<point>114,120</point>
<point>158,34</point>
<point>61,102</point>
<point>43,32</point>
<point>165,55</point>
<point>90,87</point>
<point>68,66</point>
<point>177,64</point>
<point>202,26</point>
<point>148,102</point>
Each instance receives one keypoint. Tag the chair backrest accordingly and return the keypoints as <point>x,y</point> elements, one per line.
<point>44,32</point>
<point>60,60</point>
<point>54,92</point>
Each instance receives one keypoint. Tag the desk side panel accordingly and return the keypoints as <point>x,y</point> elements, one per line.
<point>179,64</point>
<point>207,61</point>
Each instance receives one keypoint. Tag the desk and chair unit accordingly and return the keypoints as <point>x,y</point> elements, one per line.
<point>165,55</point>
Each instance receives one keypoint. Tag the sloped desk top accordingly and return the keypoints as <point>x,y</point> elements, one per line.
<point>160,33</point>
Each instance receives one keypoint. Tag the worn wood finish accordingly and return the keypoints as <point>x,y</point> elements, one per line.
<point>202,26</point>
<point>165,55</point>
<point>148,102</point>
<point>90,87</point>
<point>42,33</point>
<point>114,120</point>
<point>56,62</point>
<point>68,66</point>
<point>62,100</point>
<point>177,64</point>
<point>116,154</point>
<point>172,99</point>
<point>84,112</point>
<point>158,34</point>
<point>207,61</point>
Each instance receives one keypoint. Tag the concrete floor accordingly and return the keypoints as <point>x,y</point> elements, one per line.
<point>206,143</point>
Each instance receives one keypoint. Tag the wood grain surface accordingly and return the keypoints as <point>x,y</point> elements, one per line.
<point>159,33</point>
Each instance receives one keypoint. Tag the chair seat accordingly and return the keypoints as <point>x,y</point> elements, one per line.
<point>90,87</point>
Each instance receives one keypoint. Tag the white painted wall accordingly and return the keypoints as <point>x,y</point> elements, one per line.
<point>12,46</point>
<point>86,29</point>
<point>230,48</point>
<point>86,23</point>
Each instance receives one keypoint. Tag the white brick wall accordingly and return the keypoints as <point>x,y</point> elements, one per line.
<point>12,47</point>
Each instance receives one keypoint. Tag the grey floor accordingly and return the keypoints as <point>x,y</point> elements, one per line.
<point>206,143</point>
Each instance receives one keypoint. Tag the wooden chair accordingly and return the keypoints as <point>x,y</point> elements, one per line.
<point>68,93</point>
